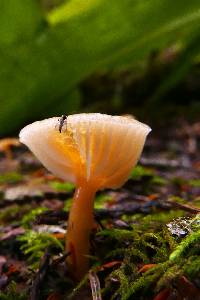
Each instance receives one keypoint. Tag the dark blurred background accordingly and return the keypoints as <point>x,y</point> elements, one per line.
<point>139,57</point>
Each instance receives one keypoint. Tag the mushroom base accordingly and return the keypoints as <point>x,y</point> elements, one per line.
<point>80,225</point>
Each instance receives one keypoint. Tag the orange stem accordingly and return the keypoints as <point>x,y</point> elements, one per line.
<point>80,224</point>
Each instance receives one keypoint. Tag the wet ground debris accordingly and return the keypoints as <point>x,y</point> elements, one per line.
<point>147,246</point>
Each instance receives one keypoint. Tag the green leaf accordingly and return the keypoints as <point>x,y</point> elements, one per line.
<point>20,20</point>
<point>180,69</point>
<point>40,70</point>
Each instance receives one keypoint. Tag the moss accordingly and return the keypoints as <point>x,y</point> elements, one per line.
<point>192,266</point>
<point>195,223</point>
<point>154,220</point>
<point>118,234</point>
<point>136,255</point>
<point>169,239</point>
<point>11,293</point>
<point>138,172</point>
<point>62,186</point>
<point>13,213</point>
<point>102,200</point>
<point>144,282</point>
<point>123,281</point>
<point>29,218</point>
<point>67,204</point>
<point>80,285</point>
<point>170,275</point>
<point>177,199</point>
<point>136,247</point>
<point>116,253</point>
<point>158,180</point>
<point>178,181</point>
<point>9,213</point>
<point>194,182</point>
<point>196,201</point>
<point>158,244</point>
<point>186,247</point>
<point>163,217</point>
<point>34,245</point>
<point>10,178</point>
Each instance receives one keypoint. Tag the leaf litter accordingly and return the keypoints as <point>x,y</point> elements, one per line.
<point>146,244</point>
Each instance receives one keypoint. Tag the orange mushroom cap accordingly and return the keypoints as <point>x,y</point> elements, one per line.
<point>94,147</point>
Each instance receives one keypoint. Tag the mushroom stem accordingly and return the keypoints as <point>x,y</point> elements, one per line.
<point>80,225</point>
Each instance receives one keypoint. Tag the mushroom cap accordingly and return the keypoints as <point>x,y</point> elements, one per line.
<point>96,148</point>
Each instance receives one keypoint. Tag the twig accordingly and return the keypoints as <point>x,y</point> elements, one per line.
<point>37,283</point>
<point>165,163</point>
<point>95,286</point>
<point>190,208</point>
<point>27,198</point>
<point>51,217</point>
<point>60,259</point>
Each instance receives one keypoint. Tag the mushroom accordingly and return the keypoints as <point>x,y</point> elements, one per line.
<point>94,151</point>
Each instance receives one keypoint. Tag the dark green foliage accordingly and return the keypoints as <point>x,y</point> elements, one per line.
<point>44,57</point>
<point>179,69</point>
<point>27,20</point>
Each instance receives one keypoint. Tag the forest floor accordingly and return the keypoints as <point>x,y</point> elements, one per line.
<point>147,245</point>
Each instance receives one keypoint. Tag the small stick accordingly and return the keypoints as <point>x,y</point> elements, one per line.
<point>37,283</point>
<point>60,259</point>
<point>27,198</point>
<point>51,218</point>
<point>190,208</point>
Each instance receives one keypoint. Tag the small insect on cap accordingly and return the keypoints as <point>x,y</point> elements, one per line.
<point>96,148</point>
